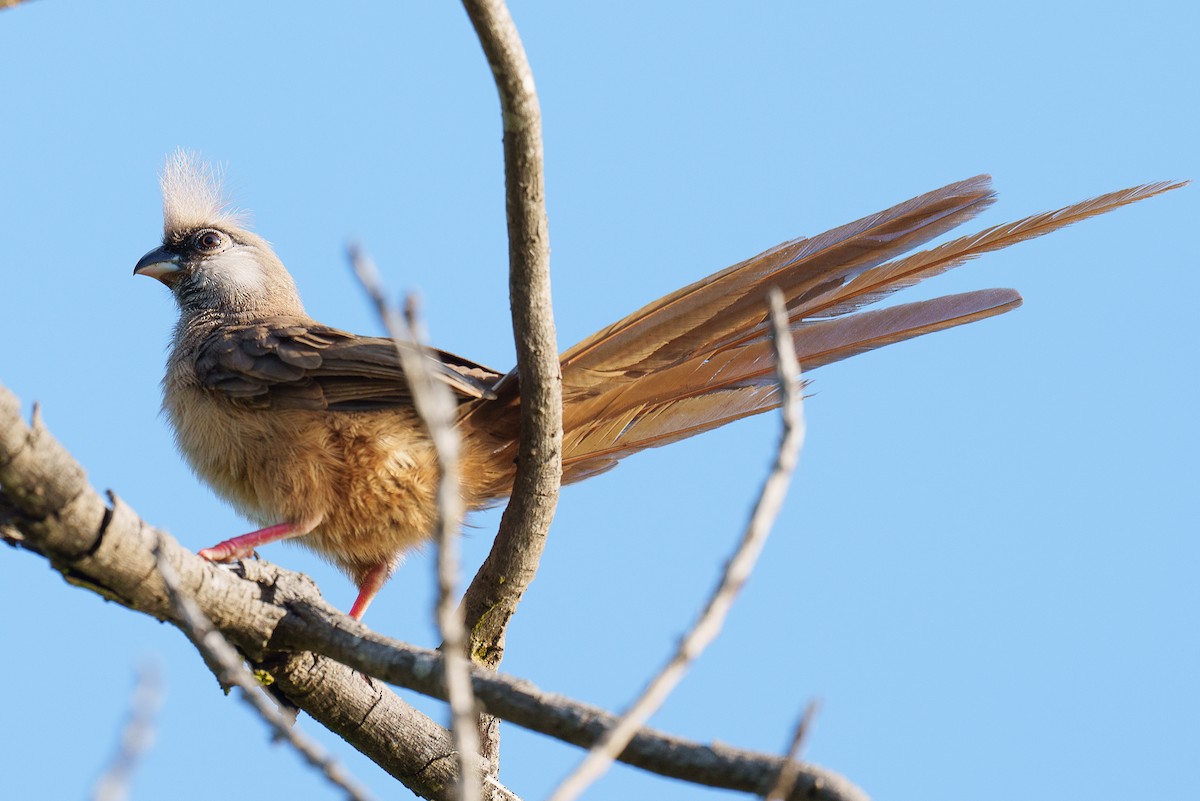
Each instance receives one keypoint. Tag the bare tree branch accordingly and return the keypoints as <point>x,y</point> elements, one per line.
<point>493,595</point>
<point>737,569</point>
<point>226,664</point>
<point>372,718</point>
<point>437,409</point>
<point>278,620</point>
<point>316,628</point>
<point>136,737</point>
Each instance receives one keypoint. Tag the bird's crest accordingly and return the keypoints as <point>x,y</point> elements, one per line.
<point>192,196</point>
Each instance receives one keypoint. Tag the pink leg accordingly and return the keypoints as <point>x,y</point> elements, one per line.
<point>369,587</point>
<point>243,546</point>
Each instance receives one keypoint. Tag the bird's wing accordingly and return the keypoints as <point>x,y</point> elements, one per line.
<point>285,363</point>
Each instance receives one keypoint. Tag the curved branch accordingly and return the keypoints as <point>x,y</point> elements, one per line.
<point>493,595</point>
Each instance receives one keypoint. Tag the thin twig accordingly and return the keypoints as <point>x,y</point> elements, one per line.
<point>223,660</point>
<point>789,774</point>
<point>737,570</point>
<point>136,737</point>
<point>436,407</point>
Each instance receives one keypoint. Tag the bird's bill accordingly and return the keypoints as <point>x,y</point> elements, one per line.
<point>159,263</point>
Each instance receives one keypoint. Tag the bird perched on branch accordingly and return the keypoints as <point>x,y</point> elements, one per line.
<point>311,432</point>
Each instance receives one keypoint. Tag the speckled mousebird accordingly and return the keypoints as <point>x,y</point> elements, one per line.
<point>310,430</point>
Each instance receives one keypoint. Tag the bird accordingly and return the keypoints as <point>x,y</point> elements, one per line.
<point>310,431</point>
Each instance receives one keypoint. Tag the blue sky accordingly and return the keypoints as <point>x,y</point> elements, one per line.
<point>986,570</point>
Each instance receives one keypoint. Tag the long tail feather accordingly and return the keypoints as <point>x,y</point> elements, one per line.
<point>710,311</point>
<point>877,283</point>
<point>882,281</point>
<point>707,393</point>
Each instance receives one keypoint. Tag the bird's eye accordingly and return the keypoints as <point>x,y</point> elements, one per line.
<point>208,241</point>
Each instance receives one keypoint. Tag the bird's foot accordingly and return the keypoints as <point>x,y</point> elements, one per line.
<point>227,551</point>
<point>244,546</point>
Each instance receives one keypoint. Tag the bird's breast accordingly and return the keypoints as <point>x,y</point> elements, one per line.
<point>370,477</point>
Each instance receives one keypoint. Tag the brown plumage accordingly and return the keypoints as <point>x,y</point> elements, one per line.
<point>310,430</point>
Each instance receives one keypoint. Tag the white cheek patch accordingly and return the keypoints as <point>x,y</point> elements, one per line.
<point>237,270</point>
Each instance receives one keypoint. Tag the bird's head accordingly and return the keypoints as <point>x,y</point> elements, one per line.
<point>208,258</point>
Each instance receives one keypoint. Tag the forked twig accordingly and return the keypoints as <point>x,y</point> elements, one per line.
<point>737,569</point>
